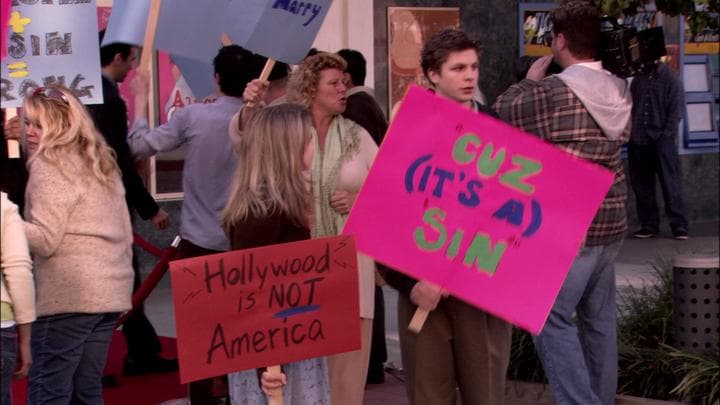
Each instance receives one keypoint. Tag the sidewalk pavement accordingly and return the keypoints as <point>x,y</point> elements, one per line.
<point>634,267</point>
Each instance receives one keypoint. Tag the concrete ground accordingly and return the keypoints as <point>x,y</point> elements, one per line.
<point>634,266</point>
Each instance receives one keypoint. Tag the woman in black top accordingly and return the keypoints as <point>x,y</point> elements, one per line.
<point>270,203</point>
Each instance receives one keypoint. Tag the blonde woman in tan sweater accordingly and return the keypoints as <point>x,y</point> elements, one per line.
<point>78,228</point>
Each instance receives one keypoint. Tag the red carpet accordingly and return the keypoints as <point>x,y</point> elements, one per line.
<point>142,390</point>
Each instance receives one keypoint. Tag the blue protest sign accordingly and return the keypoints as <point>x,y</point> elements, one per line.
<point>191,28</point>
<point>127,22</point>
<point>198,75</point>
<point>283,30</point>
<point>52,43</point>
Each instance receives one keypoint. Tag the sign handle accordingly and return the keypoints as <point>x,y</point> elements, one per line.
<point>277,398</point>
<point>225,39</point>
<point>267,69</point>
<point>418,320</point>
<point>149,41</point>
<point>13,146</point>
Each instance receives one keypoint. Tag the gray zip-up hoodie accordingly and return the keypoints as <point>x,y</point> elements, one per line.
<point>606,96</point>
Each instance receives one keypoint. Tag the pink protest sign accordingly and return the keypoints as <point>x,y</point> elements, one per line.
<point>470,203</point>
<point>5,7</point>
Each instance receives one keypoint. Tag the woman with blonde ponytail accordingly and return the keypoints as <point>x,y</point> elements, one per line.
<point>78,229</point>
<point>270,203</point>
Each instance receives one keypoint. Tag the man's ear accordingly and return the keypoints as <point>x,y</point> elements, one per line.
<point>433,77</point>
<point>560,40</point>
<point>347,79</point>
<point>118,58</point>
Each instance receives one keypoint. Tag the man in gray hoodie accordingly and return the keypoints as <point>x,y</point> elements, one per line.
<point>584,110</point>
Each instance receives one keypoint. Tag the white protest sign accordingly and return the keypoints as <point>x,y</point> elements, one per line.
<point>52,43</point>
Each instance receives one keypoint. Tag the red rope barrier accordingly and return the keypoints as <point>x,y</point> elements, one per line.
<point>152,279</point>
<point>147,246</point>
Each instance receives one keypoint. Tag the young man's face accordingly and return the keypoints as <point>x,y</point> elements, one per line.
<point>458,76</point>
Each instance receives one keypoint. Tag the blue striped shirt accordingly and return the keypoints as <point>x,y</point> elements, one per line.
<point>209,166</point>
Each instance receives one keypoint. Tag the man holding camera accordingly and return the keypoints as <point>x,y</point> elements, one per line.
<point>584,110</point>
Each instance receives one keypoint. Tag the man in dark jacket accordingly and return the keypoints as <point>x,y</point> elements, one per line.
<point>361,104</point>
<point>364,109</point>
<point>111,120</point>
<point>658,105</point>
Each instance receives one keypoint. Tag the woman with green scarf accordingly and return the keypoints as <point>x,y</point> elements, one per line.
<point>343,154</point>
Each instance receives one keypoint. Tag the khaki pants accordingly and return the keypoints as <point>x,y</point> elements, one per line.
<point>459,346</point>
<point>348,371</point>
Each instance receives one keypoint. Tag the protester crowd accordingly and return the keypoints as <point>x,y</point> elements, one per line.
<point>282,160</point>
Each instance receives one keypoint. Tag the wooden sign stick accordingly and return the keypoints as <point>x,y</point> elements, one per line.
<point>149,41</point>
<point>13,146</point>
<point>267,69</point>
<point>418,320</point>
<point>275,399</point>
<point>225,39</point>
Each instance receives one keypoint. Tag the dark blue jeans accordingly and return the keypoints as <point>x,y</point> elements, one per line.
<point>645,163</point>
<point>580,358</point>
<point>8,342</point>
<point>69,354</point>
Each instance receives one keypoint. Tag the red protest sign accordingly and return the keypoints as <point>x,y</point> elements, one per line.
<point>270,305</point>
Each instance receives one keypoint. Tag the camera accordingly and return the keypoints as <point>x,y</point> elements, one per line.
<point>626,52</point>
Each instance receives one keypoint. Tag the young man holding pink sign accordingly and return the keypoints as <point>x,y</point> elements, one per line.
<point>459,345</point>
<point>585,110</point>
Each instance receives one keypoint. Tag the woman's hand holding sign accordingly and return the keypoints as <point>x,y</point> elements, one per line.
<point>253,99</point>
<point>272,381</point>
<point>342,201</point>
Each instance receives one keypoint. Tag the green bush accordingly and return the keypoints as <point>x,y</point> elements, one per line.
<point>649,366</point>
<point>701,381</point>
<point>644,324</point>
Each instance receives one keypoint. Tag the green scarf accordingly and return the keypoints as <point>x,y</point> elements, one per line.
<point>341,144</point>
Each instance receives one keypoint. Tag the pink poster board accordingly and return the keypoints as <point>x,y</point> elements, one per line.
<point>5,7</point>
<point>470,203</point>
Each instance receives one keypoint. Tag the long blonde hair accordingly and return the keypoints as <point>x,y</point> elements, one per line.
<point>269,177</point>
<point>68,129</point>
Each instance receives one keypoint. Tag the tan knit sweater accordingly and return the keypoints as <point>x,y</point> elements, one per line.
<point>79,233</point>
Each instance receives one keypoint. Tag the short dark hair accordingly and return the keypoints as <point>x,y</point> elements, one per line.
<point>108,52</point>
<point>256,64</point>
<point>312,52</point>
<point>236,67</point>
<point>436,50</point>
<point>579,22</point>
<point>356,65</point>
<point>230,64</point>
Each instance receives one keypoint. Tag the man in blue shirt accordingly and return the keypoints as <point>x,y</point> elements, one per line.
<point>652,151</point>
<point>210,161</point>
